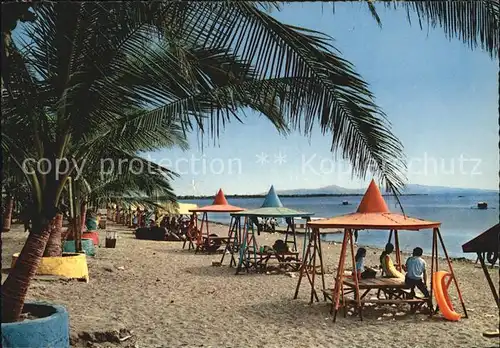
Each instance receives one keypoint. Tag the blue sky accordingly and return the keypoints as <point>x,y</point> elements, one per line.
<point>440,96</point>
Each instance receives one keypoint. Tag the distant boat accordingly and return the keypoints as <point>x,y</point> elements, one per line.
<point>482,205</point>
<point>460,196</point>
<point>345,203</point>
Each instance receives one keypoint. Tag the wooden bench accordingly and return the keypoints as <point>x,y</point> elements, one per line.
<point>394,288</point>
<point>377,283</point>
<point>206,245</point>
<point>389,301</point>
<point>215,238</point>
<point>264,257</point>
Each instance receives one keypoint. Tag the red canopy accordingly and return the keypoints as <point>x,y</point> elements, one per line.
<point>373,213</point>
<point>219,205</point>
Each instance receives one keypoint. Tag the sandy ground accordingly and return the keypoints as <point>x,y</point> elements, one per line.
<point>169,297</point>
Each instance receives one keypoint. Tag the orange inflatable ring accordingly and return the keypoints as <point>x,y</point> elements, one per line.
<point>440,285</point>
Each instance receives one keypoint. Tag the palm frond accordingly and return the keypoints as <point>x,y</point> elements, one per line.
<point>475,22</point>
<point>336,98</point>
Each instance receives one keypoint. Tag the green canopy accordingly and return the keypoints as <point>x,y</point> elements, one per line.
<point>272,207</point>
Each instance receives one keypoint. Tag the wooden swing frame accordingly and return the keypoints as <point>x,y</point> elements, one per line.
<point>314,254</point>
<point>233,241</point>
<point>249,242</point>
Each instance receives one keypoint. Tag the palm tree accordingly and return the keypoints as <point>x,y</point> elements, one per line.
<point>14,191</point>
<point>193,65</point>
<point>12,12</point>
<point>101,179</point>
<point>476,23</point>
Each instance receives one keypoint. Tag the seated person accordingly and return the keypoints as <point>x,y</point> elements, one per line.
<point>416,275</point>
<point>388,269</point>
<point>361,271</point>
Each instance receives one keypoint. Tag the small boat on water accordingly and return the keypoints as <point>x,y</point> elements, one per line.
<point>345,203</point>
<point>482,205</point>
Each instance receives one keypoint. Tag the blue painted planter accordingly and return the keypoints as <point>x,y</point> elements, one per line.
<point>52,330</point>
<point>87,246</point>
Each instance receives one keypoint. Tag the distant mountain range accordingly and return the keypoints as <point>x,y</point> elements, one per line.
<point>334,190</point>
<point>411,189</point>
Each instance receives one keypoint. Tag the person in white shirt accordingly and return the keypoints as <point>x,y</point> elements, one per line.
<point>416,275</point>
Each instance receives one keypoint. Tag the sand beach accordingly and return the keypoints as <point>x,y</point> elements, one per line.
<point>163,296</point>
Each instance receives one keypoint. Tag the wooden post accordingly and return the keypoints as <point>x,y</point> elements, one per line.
<point>339,279</point>
<point>303,266</point>
<point>434,255</point>
<point>294,237</point>
<point>306,235</point>
<point>488,279</point>
<point>236,245</point>
<point>208,227</point>
<point>232,242</point>
<point>320,255</point>
<point>315,246</point>
<point>356,282</point>
<point>308,260</point>
<point>288,226</point>
<point>199,232</point>
<point>398,251</point>
<point>254,244</point>
<point>452,273</point>
<point>243,245</point>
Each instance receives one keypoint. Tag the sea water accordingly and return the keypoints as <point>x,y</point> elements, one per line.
<point>459,216</point>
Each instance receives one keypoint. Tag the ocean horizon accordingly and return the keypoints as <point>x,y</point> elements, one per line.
<point>460,219</point>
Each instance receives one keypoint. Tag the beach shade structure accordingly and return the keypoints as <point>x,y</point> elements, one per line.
<point>487,244</point>
<point>373,214</point>
<point>177,209</point>
<point>175,218</point>
<point>205,241</point>
<point>250,256</point>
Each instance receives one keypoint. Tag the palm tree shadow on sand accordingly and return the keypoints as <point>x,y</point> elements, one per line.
<point>295,311</point>
<point>216,271</point>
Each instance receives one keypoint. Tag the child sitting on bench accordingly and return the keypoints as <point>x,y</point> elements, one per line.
<point>363,272</point>
<point>416,275</point>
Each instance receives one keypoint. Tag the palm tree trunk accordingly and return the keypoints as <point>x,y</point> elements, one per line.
<point>54,244</point>
<point>7,217</point>
<point>16,285</point>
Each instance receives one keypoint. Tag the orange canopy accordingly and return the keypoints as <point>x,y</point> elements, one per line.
<point>374,214</point>
<point>219,205</point>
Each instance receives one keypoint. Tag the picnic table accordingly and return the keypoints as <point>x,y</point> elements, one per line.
<point>394,289</point>
<point>288,260</point>
<point>211,243</point>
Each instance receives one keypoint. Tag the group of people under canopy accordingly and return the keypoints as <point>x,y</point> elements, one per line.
<point>168,221</point>
<point>240,241</point>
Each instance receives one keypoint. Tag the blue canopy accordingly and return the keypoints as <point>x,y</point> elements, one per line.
<point>272,200</point>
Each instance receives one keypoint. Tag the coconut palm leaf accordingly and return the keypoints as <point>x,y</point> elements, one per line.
<point>336,97</point>
<point>125,72</point>
<point>475,22</point>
